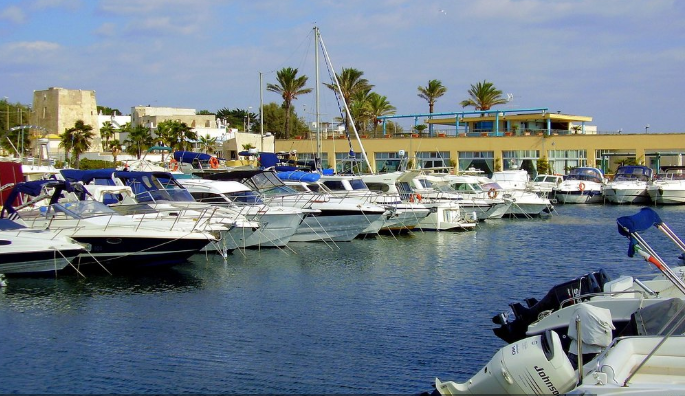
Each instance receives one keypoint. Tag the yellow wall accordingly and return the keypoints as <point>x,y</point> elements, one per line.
<point>639,144</point>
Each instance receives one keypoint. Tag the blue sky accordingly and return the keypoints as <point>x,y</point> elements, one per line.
<point>621,62</point>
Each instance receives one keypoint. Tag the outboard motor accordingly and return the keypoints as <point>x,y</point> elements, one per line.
<point>533,366</point>
<point>514,330</point>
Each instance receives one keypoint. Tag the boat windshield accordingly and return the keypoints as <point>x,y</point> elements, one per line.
<point>245,197</point>
<point>82,209</point>
<point>358,184</point>
<point>467,187</point>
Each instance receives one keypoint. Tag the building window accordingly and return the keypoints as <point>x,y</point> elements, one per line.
<point>521,159</point>
<point>307,159</point>
<point>433,159</point>
<point>388,162</point>
<point>478,160</point>
<point>561,161</point>
<point>345,164</point>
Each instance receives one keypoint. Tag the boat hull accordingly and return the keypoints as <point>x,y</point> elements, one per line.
<point>119,254</point>
<point>342,226</point>
<point>579,197</point>
<point>37,263</point>
<point>633,195</point>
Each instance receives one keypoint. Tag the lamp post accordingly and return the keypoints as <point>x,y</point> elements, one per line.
<point>248,118</point>
<point>7,102</point>
<point>646,128</point>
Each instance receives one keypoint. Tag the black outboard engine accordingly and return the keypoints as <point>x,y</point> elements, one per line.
<point>514,330</point>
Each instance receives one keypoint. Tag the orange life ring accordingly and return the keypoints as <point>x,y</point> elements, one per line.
<point>173,165</point>
<point>492,193</point>
<point>581,186</point>
<point>213,162</point>
<point>415,198</point>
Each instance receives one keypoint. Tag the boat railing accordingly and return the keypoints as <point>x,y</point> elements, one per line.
<point>582,297</point>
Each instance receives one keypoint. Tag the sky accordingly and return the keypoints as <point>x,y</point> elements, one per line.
<point>621,62</point>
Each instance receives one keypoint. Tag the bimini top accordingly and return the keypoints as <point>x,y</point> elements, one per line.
<point>187,157</point>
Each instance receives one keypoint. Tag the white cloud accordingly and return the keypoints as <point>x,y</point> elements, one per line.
<point>13,14</point>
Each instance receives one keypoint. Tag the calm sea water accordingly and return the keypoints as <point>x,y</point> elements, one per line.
<point>380,315</point>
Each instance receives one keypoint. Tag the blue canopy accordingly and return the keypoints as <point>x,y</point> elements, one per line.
<point>641,221</point>
<point>187,157</point>
<point>299,176</point>
<point>86,176</point>
<point>34,188</point>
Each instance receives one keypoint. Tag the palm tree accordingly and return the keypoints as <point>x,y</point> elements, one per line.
<point>483,96</point>
<point>115,147</point>
<point>378,106</point>
<point>351,83</point>
<point>65,142</point>
<point>77,139</point>
<point>106,132</point>
<point>139,139</point>
<point>207,142</point>
<point>431,93</point>
<point>290,86</point>
<point>187,136</point>
<point>359,109</point>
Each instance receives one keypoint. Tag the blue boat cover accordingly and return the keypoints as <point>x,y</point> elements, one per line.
<point>187,157</point>
<point>6,224</point>
<point>641,221</point>
<point>86,176</point>
<point>34,188</point>
<point>299,176</point>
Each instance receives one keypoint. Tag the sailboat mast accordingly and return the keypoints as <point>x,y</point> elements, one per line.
<point>318,161</point>
<point>342,99</point>
<point>261,111</point>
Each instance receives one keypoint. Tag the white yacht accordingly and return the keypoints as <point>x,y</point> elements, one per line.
<point>629,185</point>
<point>115,242</point>
<point>158,196</point>
<point>513,184</point>
<point>446,213</point>
<point>583,185</point>
<point>400,216</point>
<point>669,187</point>
<point>278,224</point>
<point>332,219</point>
<point>486,204</point>
<point>25,251</point>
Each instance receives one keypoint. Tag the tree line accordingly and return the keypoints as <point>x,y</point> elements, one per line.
<point>365,106</point>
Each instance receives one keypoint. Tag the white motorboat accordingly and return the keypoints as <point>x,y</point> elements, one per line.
<point>331,219</point>
<point>545,185</point>
<point>629,185</point>
<point>650,362</point>
<point>25,251</point>
<point>278,224</point>
<point>513,184</point>
<point>116,242</point>
<point>668,188</point>
<point>583,185</point>
<point>403,215</point>
<point>486,204</point>
<point>158,196</point>
<point>445,211</point>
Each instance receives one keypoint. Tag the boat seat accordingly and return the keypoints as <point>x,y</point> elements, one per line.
<point>666,366</point>
<point>622,283</point>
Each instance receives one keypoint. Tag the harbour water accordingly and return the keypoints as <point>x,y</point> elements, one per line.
<point>381,315</point>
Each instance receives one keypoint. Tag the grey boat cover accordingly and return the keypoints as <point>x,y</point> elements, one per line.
<point>596,328</point>
<point>651,320</point>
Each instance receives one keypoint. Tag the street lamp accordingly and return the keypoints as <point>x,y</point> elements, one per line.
<point>646,128</point>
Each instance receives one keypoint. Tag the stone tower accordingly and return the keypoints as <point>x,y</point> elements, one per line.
<point>57,109</point>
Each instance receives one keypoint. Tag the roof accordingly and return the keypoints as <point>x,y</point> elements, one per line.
<point>512,117</point>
